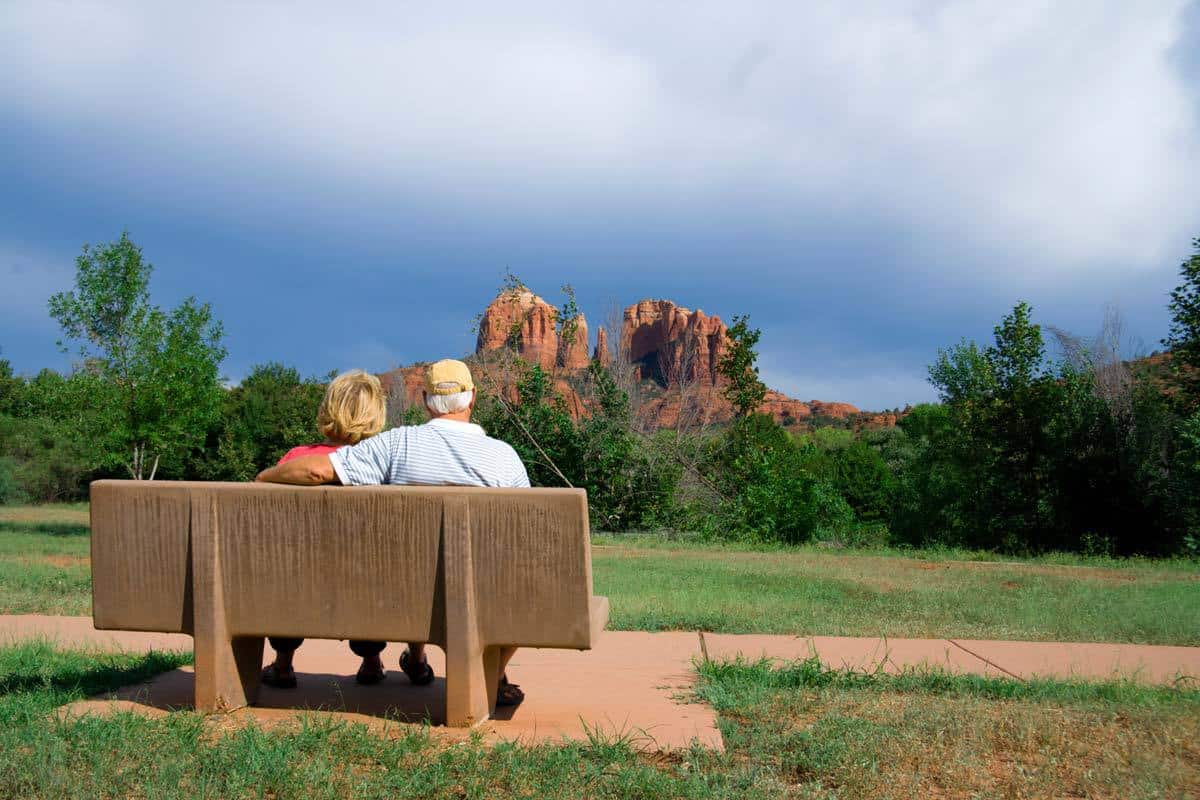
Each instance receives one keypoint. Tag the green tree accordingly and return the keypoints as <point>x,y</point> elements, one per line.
<point>10,388</point>
<point>271,411</point>
<point>1184,336</point>
<point>1027,454</point>
<point>738,365</point>
<point>768,490</point>
<point>858,472</point>
<point>162,366</point>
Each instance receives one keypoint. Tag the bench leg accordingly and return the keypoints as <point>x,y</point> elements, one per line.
<point>228,673</point>
<point>227,667</point>
<point>471,683</point>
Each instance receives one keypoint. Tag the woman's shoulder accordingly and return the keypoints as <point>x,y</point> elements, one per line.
<point>308,450</point>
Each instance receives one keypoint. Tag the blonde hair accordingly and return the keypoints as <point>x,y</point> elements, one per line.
<point>353,409</point>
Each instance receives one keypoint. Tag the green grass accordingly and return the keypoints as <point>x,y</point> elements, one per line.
<point>183,756</point>
<point>795,731</point>
<point>658,584</point>
<point>44,566</point>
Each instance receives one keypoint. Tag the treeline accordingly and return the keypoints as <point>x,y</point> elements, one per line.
<point>1086,452</point>
<point>1041,440</point>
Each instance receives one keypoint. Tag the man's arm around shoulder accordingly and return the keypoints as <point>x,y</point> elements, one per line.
<point>302,471</point>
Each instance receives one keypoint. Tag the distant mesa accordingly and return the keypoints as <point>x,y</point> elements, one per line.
<point>521,319</point>
<point>672,344</point>
<point>673,351</point>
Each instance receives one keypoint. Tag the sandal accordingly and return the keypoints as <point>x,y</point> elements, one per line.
<point>278,678</point>
<point>419,674</point>
<point>508,694</point>
<point>369,676</point>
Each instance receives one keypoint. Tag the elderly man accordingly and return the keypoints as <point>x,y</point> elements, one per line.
<point>447,450</point>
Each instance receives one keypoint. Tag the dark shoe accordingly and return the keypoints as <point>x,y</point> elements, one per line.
<point>369,675</point>
<point>420,674</point>
<point>279,678</point>
<point>508,694</point>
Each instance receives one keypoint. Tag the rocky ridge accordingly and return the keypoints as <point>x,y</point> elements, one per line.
<point>672,353</point>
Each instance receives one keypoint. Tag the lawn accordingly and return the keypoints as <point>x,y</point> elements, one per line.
<point>797,731</point>
<point>791,730</point>
<point>665,586</point>
<point>656,584</point>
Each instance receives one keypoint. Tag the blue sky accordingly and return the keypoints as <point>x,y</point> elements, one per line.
<point>869,181</point>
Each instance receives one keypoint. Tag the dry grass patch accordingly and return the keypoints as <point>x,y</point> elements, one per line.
<point>847,735</point>
<point>68,513</point>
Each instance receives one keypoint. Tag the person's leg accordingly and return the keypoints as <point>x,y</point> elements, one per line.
<point>507,693</point>
<point>280,673</point>
<point>415,665</point>
<point>371,670</point>
<point>506,654</point>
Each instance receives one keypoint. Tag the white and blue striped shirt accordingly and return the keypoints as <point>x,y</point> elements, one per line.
<point>442,452</point>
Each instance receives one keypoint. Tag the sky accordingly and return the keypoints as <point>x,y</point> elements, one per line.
<point>347,186</point>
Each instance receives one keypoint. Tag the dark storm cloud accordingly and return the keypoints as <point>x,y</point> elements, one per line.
<point>868,183</point>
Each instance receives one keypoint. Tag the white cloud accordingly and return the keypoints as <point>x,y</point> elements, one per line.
<point>1036,141</point>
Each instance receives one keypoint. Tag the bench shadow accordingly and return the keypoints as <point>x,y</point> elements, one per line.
<point>393,699</point>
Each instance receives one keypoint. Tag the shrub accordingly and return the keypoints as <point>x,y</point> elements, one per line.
<point>48,462</point>
<point>10,489</point>
<point>767,490</point>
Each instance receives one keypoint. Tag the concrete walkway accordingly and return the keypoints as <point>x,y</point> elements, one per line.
<point>631,683</point>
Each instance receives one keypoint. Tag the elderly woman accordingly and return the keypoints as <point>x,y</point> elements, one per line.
<point>353,409</point>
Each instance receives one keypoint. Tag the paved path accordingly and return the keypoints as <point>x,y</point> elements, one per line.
<point>631,682</point>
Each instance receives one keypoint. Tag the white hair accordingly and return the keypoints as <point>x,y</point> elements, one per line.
<point>448,403</point>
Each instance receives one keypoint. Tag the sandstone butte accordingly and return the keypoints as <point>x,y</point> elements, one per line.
<point>522,318</point>
<point>670,350</point>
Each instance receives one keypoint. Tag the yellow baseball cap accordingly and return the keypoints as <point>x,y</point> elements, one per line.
<point>448,376</point>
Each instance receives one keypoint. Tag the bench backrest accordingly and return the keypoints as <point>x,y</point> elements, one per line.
<point>379,562</point>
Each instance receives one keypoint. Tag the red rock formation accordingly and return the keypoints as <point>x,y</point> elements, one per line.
<point>404,388</point>
<point>673,344</point>
<point>868,420</point>
<point>834,410</point>
<point>574,354</point>
<point>602,353</point>
<point>675,347</point>
<point>784,409</point>
<point>522,320</point>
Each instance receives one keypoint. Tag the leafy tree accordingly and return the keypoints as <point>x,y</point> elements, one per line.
<point>1030,455</point>
<point>738,366</point>
<point>1184,336</point>
<point>768,491</point>
<point>10,388</point>
<point>597,451</point>
<point>996,398</point>
<point>41,461</point>
<point>271,411</point>
<point>163,366</point>
<point>860,475</point>
<point>933,494</point>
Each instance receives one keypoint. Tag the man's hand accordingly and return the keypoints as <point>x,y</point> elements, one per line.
<point>302,471</point>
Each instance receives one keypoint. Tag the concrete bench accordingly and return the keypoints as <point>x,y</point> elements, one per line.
<point>470,570</point>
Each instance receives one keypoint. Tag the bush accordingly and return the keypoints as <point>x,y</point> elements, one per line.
<point>10,488</point>
<point>767,490</point>
<point>855,470</point>
<point>270,412</point>
<point>47,461</point>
